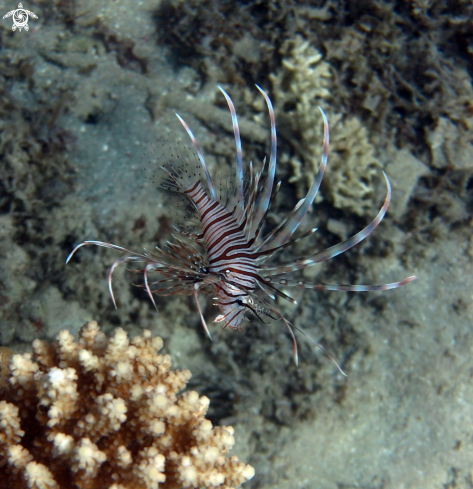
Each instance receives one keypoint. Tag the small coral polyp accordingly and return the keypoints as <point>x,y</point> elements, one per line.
<point>105,413</point>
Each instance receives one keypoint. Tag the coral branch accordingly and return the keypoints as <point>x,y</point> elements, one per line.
<point>106,413</point>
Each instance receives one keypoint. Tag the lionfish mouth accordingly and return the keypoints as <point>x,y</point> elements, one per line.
<point>226,252</point>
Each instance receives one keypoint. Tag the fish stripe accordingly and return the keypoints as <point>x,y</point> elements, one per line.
<point>210,209</point>
<point>226,235</point>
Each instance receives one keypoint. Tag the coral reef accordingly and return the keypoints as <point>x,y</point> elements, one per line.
<point>36,175</point>
<point>224,40</point>
<point>395,62</point>
<point>106,413</point>
<point>303,82</point>
<point>403,65</point>
<point>74,96</point>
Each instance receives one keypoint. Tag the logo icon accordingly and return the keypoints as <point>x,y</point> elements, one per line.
<point>20,18</point>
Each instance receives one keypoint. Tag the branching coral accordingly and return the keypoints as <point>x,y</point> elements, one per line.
<point>106,413</point>
<point>304,82</point>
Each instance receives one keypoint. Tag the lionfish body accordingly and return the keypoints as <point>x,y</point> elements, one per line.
<point>225,254</point>
<point>229,254</point>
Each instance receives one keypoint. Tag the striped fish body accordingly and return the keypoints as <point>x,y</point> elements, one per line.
<point>237,253</point>
<point>229,254</point>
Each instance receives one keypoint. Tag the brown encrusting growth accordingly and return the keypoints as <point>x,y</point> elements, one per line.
<point>104,413</point>
<point>5,356</point>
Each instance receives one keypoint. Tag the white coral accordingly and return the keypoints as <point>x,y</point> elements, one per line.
<point>119,409</point>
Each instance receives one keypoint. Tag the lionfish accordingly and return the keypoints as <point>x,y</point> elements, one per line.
<point>225,253</point>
